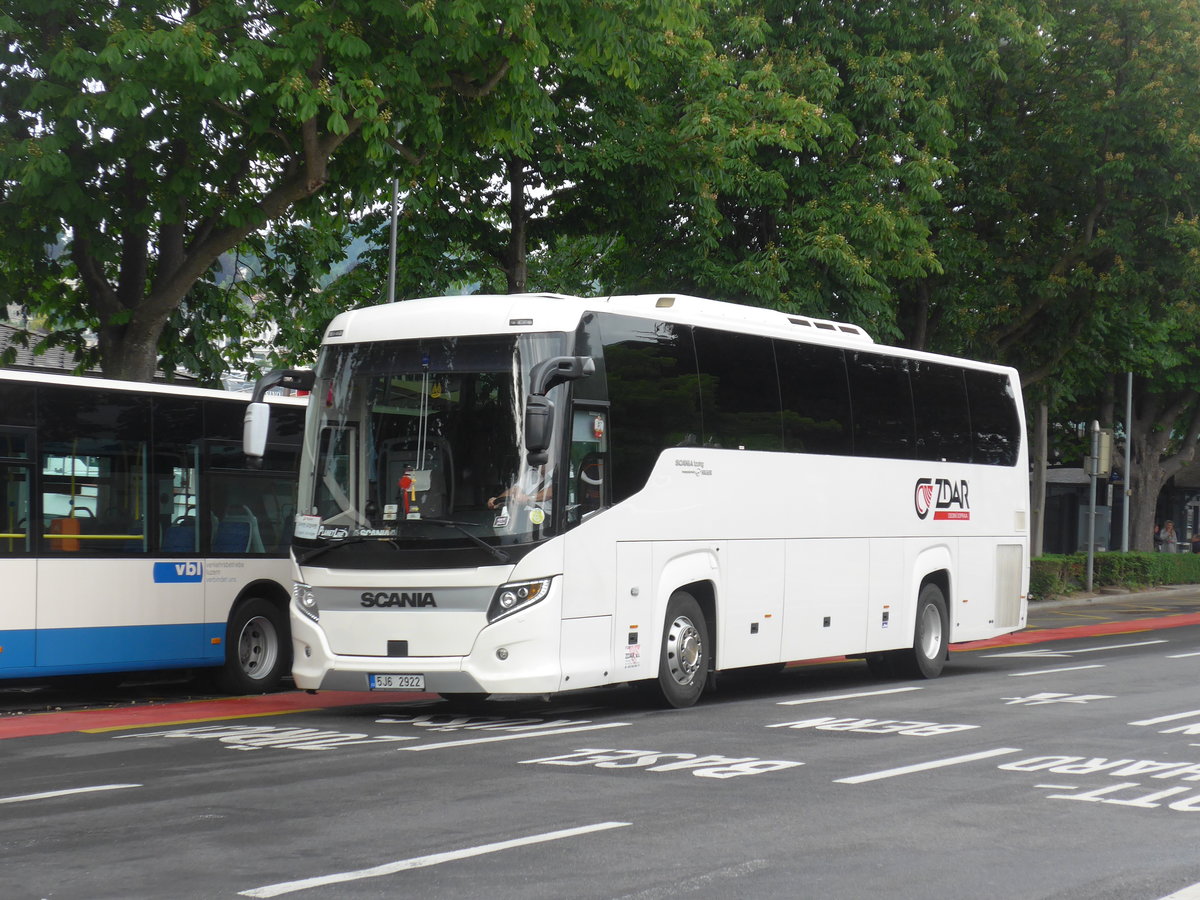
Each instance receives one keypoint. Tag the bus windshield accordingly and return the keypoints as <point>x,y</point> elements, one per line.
<point>420,444</point>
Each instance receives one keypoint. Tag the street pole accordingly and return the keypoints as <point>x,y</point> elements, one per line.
<point>1093,471</point>
<point>391,286</point>
<point>1128,462</point>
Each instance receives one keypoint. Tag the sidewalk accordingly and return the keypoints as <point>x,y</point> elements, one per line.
<point>1181,593</point>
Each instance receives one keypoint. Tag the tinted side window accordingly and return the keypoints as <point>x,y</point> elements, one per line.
<point>653,392</point>
<point>250,510</point>
<point>16,403</point>
<point>883,412</point>
<point>739,390</point>
<point>994,422</point>
<point>940,409</point>
<point>178,432</point>
<point>815,398</point>
<point>94,471</point>
<point>16,475</point>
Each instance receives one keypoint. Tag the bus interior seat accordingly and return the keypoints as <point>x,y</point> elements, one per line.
<point>590,487</point>
<point>180,536</point>
<point>237,532</point>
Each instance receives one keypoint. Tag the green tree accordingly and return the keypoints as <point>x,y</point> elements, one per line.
<point>811,148</point>
<point>1069,246</point>
<point>781,155</point>
<point>156,137</point>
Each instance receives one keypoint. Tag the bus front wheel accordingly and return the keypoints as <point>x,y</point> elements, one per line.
<point>257,649</point>
<point>684,654</point>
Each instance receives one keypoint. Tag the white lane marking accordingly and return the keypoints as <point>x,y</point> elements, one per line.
<point>1120,646</point>
<point>1191,892</point>
<point>926,766</point>
<point>899,690</point>
<point>1054,671</point>
<point>419,862</point>
<point>1046,654</point>
<point>514,737</point>
<point>66,793</point>
<point>1183,655</point>
<point>1170,718</point>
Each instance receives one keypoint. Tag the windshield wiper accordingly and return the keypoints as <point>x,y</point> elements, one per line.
<point>461,527</point>
<point>325,548</point>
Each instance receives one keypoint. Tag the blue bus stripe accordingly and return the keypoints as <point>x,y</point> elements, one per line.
<point>64,651</point>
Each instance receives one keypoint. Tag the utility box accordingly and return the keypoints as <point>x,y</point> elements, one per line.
<point>1103,529</point>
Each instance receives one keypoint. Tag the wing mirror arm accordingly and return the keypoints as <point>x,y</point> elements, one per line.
<point>257,421</point>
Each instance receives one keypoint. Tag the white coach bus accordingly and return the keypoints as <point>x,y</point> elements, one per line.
<point>133,535</point>
<point>529,494</point>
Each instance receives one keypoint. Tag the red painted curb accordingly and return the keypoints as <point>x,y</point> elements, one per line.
<point>1041,636</point>
<point>158,714</point>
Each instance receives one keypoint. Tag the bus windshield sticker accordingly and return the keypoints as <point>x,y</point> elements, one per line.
<point>307,527</point>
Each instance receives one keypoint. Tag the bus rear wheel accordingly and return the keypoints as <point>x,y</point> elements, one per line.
<point>684,654</point>
<point>257,651</point>
<point>930,636</point>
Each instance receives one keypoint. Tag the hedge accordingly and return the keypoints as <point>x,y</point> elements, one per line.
<point>1056,574</point>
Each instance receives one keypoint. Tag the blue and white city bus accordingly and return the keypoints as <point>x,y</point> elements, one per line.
<point>134,536</point>
<point>536,493</point>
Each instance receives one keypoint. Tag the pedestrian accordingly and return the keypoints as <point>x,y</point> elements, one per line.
<point>1170,540</point>
<point>1196,542</point>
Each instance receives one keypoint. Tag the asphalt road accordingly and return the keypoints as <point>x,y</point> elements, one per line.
<point>1063,763</point>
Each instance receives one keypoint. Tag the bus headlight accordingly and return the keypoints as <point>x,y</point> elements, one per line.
<point>306,601</point>
<point>511,598</point>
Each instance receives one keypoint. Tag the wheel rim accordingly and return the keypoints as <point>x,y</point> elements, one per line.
<point>258,648</point>
<point>685,650</point>
<point>931,631</point>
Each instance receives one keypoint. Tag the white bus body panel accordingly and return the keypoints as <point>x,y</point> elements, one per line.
<point>805,556</point>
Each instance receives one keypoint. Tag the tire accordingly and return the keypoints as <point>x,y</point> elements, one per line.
<point>930,636</point>
<point>684,654</point>
<point>258,649</point>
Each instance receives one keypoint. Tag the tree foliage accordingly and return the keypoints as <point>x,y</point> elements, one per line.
<point>156,137</point>
<point>1070,246</point>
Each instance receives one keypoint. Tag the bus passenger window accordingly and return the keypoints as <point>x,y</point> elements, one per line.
<point>739,391</point>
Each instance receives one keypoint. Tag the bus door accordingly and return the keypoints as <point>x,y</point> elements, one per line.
<point>588,483</point>
<point>18,569</point>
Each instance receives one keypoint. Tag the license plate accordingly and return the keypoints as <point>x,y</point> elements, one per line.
<point>396,682</point>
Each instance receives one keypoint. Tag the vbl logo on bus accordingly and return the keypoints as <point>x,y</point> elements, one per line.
<point>947,499</point>
<point>178,572</point>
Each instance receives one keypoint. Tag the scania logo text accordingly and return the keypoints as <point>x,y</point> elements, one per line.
<point>380,599</point>
<point>948,499</point>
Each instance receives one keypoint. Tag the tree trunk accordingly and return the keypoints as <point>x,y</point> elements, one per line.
<point>129,352</point>
<point>517,268</point>
<point>1037,500</point>
<point>1158,421</point>
<point>1145,481</point>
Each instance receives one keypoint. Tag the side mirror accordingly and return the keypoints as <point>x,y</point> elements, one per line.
<point>539,426</point>
<point>539,411</point>
<point>255,426</point>
<point>257,421</point>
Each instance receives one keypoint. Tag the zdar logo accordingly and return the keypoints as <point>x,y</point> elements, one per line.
<point>948,499</point>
